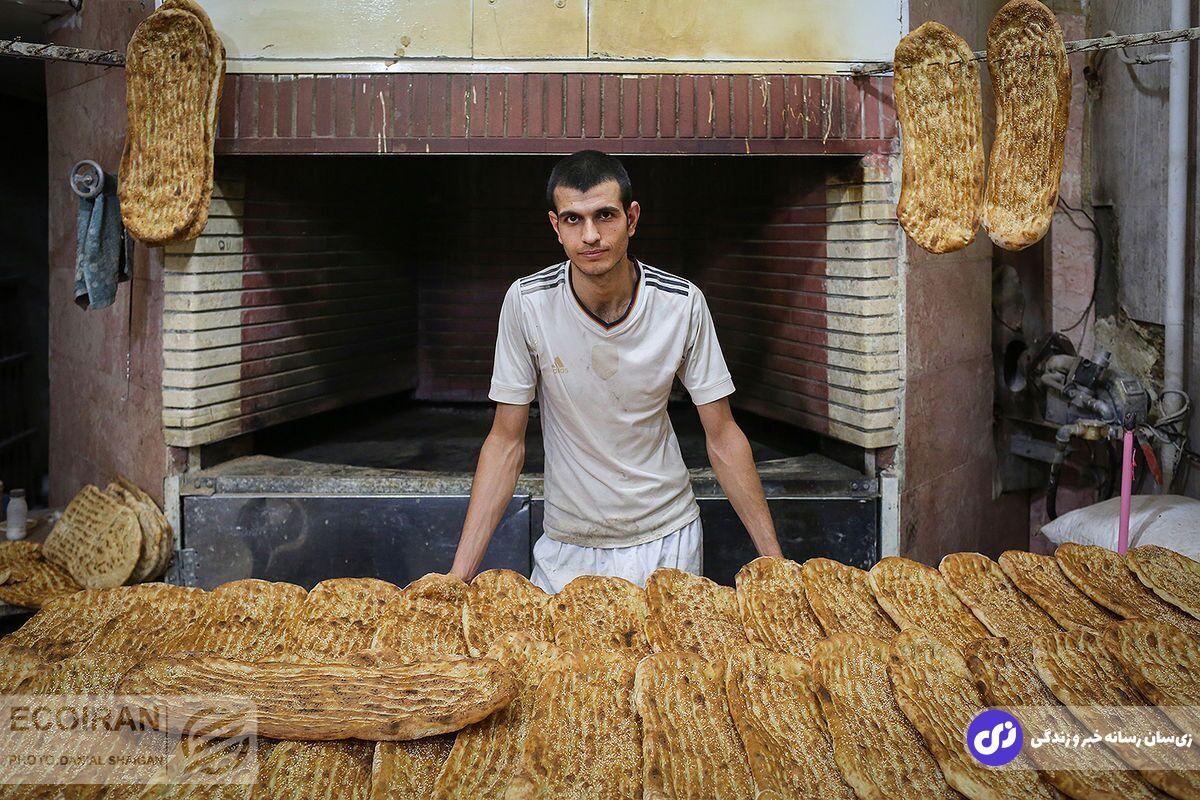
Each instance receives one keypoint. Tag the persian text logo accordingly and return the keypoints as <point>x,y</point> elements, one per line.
<point>994,737</point>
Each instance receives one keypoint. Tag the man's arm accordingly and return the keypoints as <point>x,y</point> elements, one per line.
<point>500,462</point>
<point>733,463</point>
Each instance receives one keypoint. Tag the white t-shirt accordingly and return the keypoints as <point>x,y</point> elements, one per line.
<point>614,474</point>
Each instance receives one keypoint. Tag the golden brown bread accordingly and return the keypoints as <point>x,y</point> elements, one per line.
<point>165,165</point>
<point>841,599</point>
<point>339,616</point>
<point>690,747</point>
<point>877,749</point>
<point>166,542</point>
<point>1041,579</point>
<point>773,607</point>
<point>241,619</point>
<point>97,540</point>
<point>1103,576</point>
<point>1172,576</point>
<point>315,771</point>
<point>486,755</point>
<point>993,598</point>
<point>934,690</point>
<point>688,612</point>
<point>1163,662</point>
<point>322,702</point>
<point>1031,82</point>
<point>499,602</point>
<point>600,612</point>
<point>1082,674</point>
<point>774,705</point>
<point>33,581</point>
<point>408,770</point>
<point>584,742</point>
<point>940,108</point>
<point>916,596</point>
<point>154,627</point>
<point>1006,676</point>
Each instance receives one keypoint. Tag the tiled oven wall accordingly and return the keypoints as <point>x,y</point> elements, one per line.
<point>336,279</point>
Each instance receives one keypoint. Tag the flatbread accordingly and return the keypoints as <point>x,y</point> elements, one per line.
<point>316,771</point>
<point>934,690</point>
<point>486,755</point>
<point>165,166</point>
<point>1172,576</point>
<point>33,582</point>
<point>774,705</point>
<point>994,600</point>
<point>773,608</point>
<point>877,749</point>
<point>1041,579</point>
<point>325,702</point>
<point>1103,576</point>
<point>690,747</point>
<point>688,612</point>
<point>1031,83</point>
<point>841,599</point>
<point>166,541</point>
<point>1005,674</point>
<point>499,602</point>
<point>1083,675</point>
<point>339,616</point>
<point>424,622</point>
<point>216,50</point>
<point>940,107</point>
<point>1163,662</point>
<point>17,664</point>
<point>600,612</point>
<point>584,741</point>
<point>242,619</point>
<point>97,540</point>
<point>148,629</point>
<point>916,596</point>
<point>151,532</point>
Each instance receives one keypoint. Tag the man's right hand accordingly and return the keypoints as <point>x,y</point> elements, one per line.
<point>500,462</point>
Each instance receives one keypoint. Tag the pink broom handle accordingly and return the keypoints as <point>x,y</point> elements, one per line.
<point>1126,493</point>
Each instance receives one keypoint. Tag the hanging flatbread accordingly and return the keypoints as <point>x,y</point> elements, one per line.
<point>916,596</point>
<point>499,602</point>
<point>773,607</point>
<point>600,612</point>
<point>841,599</point>
<point>690,747</point>
<point>773,701</point>
<point>688,612</point>
<point>1041,579</point>
<point>993,598</point>
<point>934,690</point>
<point>940,108</point>
<point>877,749</point>
<point>1031,81</point>
<point>1172,576</point>
<point>166,168</point>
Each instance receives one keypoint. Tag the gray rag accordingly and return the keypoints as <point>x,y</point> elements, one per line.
<point>103,250</point>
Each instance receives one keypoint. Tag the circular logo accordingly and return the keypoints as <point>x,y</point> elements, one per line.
<point>994,737</point>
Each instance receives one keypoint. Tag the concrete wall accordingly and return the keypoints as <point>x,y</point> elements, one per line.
<point>946,501</point>
<point>101,420</point>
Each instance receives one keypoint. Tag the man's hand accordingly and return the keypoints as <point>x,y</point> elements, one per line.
<point>500,462</point>
<point>732,461</point>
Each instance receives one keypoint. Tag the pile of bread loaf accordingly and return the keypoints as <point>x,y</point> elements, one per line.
<point>104,538</point>
<point>807,680</point>
<point>940,108</point>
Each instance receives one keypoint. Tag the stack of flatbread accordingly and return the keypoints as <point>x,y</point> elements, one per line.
<point>105,539</point>
<point>939,104</point>
<point>861,685</point>
<point>175,68</point>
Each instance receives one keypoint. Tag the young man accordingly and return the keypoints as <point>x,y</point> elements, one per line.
<point>599,339</point>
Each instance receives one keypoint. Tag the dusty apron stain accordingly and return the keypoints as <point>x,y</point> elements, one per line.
<point>606,361</point>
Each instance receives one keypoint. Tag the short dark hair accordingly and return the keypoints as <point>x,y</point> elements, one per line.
<point>586,169</point>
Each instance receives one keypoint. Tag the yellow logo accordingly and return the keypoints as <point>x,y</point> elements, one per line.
<point>559,367</point>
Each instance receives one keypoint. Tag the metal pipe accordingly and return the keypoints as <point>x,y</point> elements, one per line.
<point>54,52</point>
<point>1175,284</point>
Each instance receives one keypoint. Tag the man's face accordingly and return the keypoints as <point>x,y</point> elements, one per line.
<point>592,226</point>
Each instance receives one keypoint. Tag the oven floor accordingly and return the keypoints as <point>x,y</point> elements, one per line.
<point>403,434</point>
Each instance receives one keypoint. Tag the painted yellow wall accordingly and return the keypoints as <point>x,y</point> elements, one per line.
<point>757,36</point>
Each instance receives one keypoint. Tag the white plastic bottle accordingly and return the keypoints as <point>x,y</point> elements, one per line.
<point>18,510</point>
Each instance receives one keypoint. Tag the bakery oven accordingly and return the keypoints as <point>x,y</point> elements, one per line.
<point>327,342</point>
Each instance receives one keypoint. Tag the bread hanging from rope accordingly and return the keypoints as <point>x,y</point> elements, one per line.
<point>166,166</point>
<point>940,108</point>
<point>1031,80</point>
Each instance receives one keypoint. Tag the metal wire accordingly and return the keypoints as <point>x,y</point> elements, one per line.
<point>1077,46</point>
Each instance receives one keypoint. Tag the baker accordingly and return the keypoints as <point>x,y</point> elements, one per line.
<point>599,339</point>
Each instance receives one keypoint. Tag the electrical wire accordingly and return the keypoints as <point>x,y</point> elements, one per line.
<point>1083,318</point>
